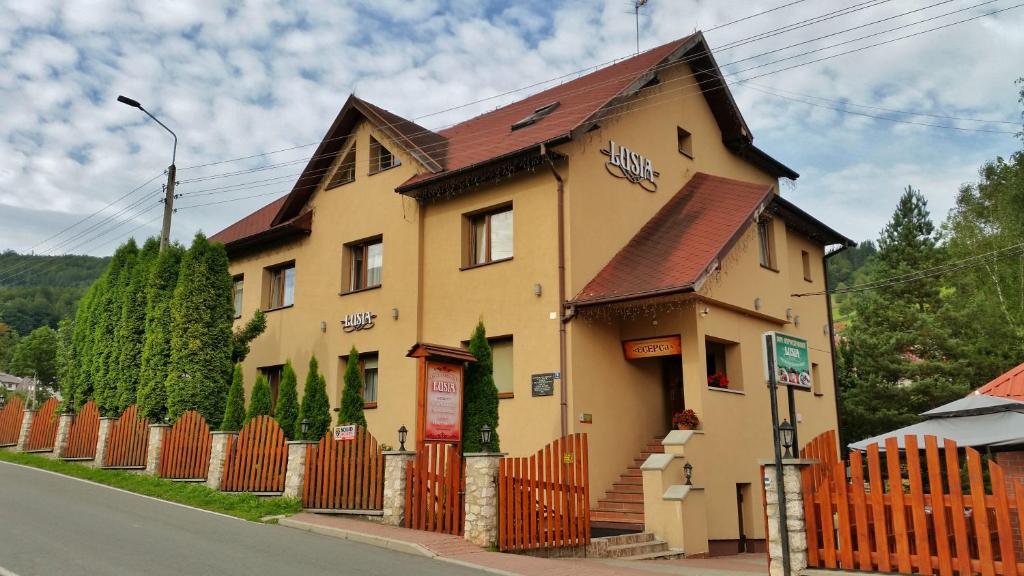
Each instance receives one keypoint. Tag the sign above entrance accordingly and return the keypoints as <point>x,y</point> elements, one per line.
<point>792,361</point>
<point>624,163</point>
<point>443,415</point>
<point>358,321</point>
<point>652,347</point>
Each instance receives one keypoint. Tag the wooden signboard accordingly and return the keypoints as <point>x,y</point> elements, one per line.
<point>652,347</point>
<point>439,392</point>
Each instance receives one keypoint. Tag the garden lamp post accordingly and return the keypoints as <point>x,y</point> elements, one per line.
<point>402,433</point>
<point>786,437</point>
<point>485,437</point>
<point>165,231</point>
<point>305,427</point>
<point>688,473</point>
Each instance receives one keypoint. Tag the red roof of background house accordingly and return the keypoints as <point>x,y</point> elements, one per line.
<point>1009,385</point>
<point>252,224</point>
<point>681,243</point>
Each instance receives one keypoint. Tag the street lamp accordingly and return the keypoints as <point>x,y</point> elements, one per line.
<point>165,231</point>
<point>485,437</point>
<point>402,433</point>
<point>688,473</point>
<point>786,437</point>
<point>305,427</point>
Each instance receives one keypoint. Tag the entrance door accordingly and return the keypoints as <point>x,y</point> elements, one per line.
<point>672,382</point>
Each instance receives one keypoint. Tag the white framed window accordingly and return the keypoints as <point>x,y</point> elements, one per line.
<point>282,286</point>
<point>490,236</point>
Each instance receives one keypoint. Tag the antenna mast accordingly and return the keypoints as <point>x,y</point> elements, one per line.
<point>637,4</point>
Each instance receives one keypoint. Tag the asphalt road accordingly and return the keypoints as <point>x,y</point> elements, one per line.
<point>52,525</point>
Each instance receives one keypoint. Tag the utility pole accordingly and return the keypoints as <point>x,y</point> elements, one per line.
<point>165,231</point>
<point>637,4</point>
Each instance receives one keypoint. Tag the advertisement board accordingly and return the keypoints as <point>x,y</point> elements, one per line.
<point>443,402</point>
<point>791,360</point>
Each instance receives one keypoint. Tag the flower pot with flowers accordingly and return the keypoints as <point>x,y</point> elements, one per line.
<point>686,420</point>
<point>718,380</point>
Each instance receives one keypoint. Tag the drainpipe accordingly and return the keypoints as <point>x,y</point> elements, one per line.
<point>832,337</point>
<point>563,317</point>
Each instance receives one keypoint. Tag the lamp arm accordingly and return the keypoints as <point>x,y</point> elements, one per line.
<point>174,153</point>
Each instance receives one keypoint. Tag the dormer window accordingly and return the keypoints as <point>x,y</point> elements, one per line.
<point>537,115</point>
<point>380,157</point>
<point>346,171</point>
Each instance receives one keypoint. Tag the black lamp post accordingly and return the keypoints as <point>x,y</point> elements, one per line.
<point>305,428</point>
<point>485,437</point>
<point>688,473</point>
<point>786,437</point>
<point>402,433</point>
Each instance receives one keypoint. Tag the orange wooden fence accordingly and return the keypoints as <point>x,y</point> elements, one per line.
<point>185,452</point>
<point>914,513</point>
<point>256,459</point>
<point>435,483</point>
<point>82,436</point>
<point>344,474</point>
<point>128,441</point>
<point>544,500</point>
<point>10,421</point>
<point>825,449</point>
<point>43,431</point>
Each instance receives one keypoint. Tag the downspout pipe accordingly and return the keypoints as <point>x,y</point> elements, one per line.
<point>832,335</point>
<point>563,318</point>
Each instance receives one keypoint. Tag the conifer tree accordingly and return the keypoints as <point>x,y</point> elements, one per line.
<point>287,410</point>
<point>316,408</point>
<point>156,349</point>
<point>259,402</point>
<point>66,361</point>
<point>234,411</point>
<point>81,348</point>
<point>352,395</point>
<point>480,397</point>
<point>202,312</point>
<point>105,353</point>
<point>131,328</point>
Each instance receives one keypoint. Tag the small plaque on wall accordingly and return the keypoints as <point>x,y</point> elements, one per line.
<point>544,384</point>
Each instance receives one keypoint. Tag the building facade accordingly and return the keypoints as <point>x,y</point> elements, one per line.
<point>627,208</point>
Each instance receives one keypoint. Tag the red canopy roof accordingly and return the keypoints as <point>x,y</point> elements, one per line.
<point>1009,385</point>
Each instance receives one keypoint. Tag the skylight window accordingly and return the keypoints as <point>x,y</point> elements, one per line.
<point>537,115</point>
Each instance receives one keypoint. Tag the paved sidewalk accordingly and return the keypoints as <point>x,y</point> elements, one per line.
<point>456,550</point>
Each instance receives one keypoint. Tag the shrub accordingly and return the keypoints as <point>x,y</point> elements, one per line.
<point>259,403</point>
<point>480,397</point>
<point>352,396</point>
<point>316,408</point>
<point>234,412</point>
<point>287,411</point>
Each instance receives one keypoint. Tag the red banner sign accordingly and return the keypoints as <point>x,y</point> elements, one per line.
<point>443,420</point>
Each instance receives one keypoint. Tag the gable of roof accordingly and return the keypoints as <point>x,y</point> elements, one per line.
<point>1009,385</point>
<point>258,227</point>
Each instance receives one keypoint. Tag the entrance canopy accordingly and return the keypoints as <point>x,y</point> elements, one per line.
<point>977,421</point>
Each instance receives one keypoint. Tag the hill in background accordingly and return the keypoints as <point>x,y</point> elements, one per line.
<point>40,290</point>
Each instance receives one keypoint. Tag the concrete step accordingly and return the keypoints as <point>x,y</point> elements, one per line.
<point>621,539</point>
<point>637,480</point>
<point>617,516</point>
<point>624,496</point>
<point>619,505</point>
<point>632,487</point>
<point>636,549</point>
<point>667,554</point>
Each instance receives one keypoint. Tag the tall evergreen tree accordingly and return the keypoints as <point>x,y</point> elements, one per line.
<point>316,408</point>
<point>480,397</point>
<point>244,335</point>
<point>259,402</point>
<point>156,348</point>
<point>234,410</point>
<point>352,395</point>
<point>131,328</point>
<point>105,354</point>
<point>36,356</point>
<point>287,410</point>
<point>66,361</point>
<point>201,316</point>
<point>81,348</point>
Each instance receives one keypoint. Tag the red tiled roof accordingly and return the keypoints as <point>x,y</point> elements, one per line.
<point>258,221</point>
<point>1009,385</point>
<point>679,245</point>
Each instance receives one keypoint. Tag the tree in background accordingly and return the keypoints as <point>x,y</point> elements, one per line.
<point>36,356</point>
<point>242,337</point>
<point>352,395</point>
<point>480,398</point>
<point>156,347</point>
<point>234,410</point>
<point>316,408</point>
<point>201,316</point>
<point>8,341</point>
<point>81,349</point>
<point>287,410</point>
<point>131,327</point>
<point>65,361</point>
<point>104,354</point>
<point>260,401</point>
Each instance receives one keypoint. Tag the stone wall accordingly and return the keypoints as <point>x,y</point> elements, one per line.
<point>481,498</point>
<point>395,464</point>
<point>794,517</point>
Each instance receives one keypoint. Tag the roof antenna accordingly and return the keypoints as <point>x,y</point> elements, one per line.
<point>637,4</point>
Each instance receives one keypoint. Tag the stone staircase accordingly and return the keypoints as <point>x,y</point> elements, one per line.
<point>622,508</point>
<point>640,546</point>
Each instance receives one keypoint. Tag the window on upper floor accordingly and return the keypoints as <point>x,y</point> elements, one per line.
<point>766,243</point>
<point>685,142</point>
<point>489,237</point>
<point>281,286</point>
<point>805,258</point>
<point>380,157</point>
<point>237,294</point>
<point>364,264</point>
<point>346,171</point>
<point>722,363</point>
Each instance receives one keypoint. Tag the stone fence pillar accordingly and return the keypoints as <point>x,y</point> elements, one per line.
<point>481,499</point>
<point>794,498</point>
<point>295,474</point>
<point>60,443</point>
<point>103,441</point>
<point>395,463</point>
<point>156,444</point>
<point>218,453</point>
<point>26,425</point>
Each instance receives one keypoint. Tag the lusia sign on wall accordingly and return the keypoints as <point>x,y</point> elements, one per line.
<point>358,321</point>
<point>625,163</point>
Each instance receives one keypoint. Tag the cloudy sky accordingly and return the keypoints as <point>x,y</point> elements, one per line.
<point>243,78</point>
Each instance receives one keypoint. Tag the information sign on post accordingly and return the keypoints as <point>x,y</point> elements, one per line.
<point>791,361</point>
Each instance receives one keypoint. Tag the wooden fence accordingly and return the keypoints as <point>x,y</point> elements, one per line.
<point>43,431</point>
<point>914,515</point>
<point>10,420</point>
<point>185,452</point>
<point>128,441</point>
<point>435,483</point>
<point>256,459</point>
<point>544,500</point>
<point>344,474</point>
<point>82,436</point>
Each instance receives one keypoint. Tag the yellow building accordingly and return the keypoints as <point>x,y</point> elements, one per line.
<point>627,204</point>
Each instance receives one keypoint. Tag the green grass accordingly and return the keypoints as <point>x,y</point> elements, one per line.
<point>243,505</point>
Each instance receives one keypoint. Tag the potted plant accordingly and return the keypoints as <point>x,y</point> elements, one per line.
<point>718,380</point>
<point>686,420</point>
